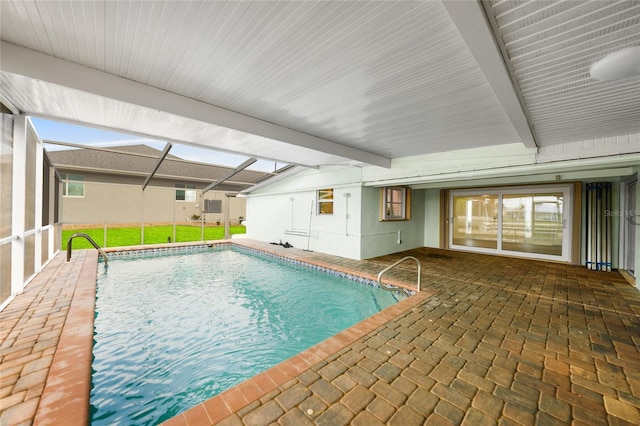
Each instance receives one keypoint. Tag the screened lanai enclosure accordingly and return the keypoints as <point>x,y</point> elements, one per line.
<point>156,196</point>
<point>30,227</point>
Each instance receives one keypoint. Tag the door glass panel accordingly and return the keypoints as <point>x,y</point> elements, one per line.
<point>532,223</point>
<point>475,221</point>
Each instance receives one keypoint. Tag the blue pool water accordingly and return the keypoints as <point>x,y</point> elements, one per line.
<point>172,331</point>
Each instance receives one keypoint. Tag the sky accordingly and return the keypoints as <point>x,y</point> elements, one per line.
<point>65,132</point>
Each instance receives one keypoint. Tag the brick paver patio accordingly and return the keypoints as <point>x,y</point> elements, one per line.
<point>490,340</point>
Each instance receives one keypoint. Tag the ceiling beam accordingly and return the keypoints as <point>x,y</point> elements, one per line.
<point>39,66</point>
<point>165,151</point>
<point>237,170</point>
<point>472,24</point>
<point>4,102</point>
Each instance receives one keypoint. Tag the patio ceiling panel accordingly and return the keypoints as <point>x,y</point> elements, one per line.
<point>370,73</point>
<point>334,82</point>
<point>392,79</point>
<point>48,100</point>
<point>551,46</point>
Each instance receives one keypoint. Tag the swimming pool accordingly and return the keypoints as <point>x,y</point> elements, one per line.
<point>172,331</point>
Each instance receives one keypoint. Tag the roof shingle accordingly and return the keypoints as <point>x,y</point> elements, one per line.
<point>137,159</point>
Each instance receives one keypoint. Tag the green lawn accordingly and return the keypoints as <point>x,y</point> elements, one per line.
<point>118,237</point>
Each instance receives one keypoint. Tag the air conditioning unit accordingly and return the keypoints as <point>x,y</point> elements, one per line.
<point>213,206</point>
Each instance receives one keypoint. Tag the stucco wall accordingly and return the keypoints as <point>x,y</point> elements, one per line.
<point>270,208</point>
<point>378,237</point>
<point>354,230</point>
<point>287,211</point>
<point>432,218</point>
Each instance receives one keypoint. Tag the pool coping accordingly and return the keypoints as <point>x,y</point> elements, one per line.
<point>66,395</point>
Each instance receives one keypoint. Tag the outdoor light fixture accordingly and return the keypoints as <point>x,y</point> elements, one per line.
<point>618,65</point>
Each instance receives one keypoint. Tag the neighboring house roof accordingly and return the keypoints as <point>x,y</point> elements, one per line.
<point>140,149</point>
<point>139,160</point>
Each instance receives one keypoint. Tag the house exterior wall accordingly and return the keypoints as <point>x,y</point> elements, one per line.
<point>434,211</point>
<point>277,217</point>
<point>125,202</point>
<point>269,209</point>
<point>287,210</point>
<point>383,237</point>
<point>432,217</point>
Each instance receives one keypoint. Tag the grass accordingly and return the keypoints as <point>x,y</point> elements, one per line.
<point>119,237</point>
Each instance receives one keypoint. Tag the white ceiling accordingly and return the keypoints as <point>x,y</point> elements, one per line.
<point>551,46</point>
<point>324,82</point>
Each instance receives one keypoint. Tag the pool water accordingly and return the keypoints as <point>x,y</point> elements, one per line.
<point>173,331</point>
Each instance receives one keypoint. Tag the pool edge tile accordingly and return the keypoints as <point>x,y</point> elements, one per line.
<point>277,376</point>
<point>264,383</point>
<point>216,409</point>
<point>299,363</point>
<point>196,416</point>
<point>234,399</point>
<point>250,390</point>
<point>179,420</point>
<point>288,369</point>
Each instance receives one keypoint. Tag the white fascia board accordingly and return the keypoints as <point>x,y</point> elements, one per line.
<point>545,178</point>
<point>452,162</point>
<point>471,22</point>
<point>31,64</point>
<point>614,166</point>
<point>272,180</point>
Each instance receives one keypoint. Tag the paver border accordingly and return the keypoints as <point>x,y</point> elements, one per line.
<point>65,398</point>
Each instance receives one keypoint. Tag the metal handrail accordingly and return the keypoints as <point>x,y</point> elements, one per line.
<point>93,243</point>
<point>394,265</point>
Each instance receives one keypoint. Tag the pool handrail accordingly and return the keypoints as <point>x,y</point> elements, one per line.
<point>93,243</point>
<point>399,289</point>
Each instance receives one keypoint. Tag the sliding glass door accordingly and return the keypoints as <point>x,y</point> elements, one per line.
<point>527,221</point>
<point>532,223</point>
<point>475,221</point>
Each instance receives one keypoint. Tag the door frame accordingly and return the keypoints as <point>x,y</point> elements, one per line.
<point>626,226</point>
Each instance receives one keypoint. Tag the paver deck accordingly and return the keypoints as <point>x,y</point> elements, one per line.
<point>490,340</point>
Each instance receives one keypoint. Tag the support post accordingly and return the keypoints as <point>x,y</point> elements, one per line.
<point>18,202</point>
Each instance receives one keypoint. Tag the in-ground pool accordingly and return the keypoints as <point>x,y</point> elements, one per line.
<point>172,331</point>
